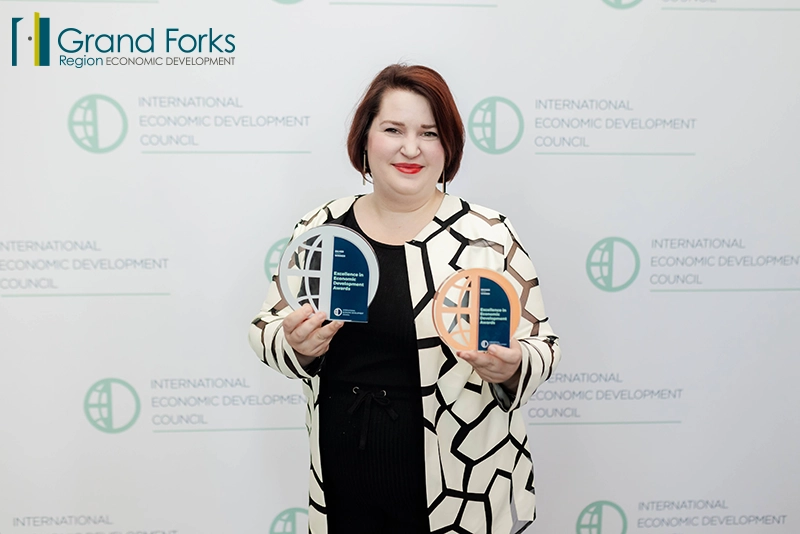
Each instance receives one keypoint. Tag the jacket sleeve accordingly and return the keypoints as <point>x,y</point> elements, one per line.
<point>540,351</point>
<point>266,334</point>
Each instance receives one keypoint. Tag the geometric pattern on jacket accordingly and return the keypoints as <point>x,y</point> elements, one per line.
<point>478,468</point>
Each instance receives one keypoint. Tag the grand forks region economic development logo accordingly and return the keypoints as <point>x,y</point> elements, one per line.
<point>291,521</point>
<point>112,405</point>
<point>622,4</point>
<point>495,125</point>
<point>97,124</point>
<point>40,40</point>
<point>612,264</point>
<point>79,46</point>
<point>602,517</point>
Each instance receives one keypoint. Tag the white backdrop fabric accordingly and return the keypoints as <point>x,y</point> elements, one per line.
<point>646,151</point>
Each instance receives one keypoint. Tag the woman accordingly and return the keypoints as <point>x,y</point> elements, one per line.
<point>407,435</point>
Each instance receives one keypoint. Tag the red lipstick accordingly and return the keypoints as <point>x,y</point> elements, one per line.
<point>408,168</point>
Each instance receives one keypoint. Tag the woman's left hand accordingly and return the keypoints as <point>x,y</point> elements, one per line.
<point>498,365</point>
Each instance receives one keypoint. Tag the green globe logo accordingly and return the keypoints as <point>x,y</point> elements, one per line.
<point>490,123</point>
<point>612,264</point>
<point>291,521</point>
<point>111,405</point>
<point>273,258</point>
<point>602,517</point>
<point>97,124</point>
<point>622,4</point>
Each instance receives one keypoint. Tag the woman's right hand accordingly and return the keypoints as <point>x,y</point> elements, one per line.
<point>305,334</point>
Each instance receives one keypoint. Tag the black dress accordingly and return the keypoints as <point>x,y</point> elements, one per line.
<point>371,431</point>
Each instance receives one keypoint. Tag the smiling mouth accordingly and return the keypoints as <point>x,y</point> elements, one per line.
<point>408,168</point>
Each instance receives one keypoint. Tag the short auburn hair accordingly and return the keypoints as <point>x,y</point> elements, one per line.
<point>425,82</point>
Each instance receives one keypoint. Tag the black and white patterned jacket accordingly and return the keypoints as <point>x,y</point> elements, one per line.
<point>479,472</point>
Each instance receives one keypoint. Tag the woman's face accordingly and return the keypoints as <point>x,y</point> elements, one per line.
<point>405,154</point>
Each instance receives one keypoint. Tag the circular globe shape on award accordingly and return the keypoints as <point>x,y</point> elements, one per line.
<point>273,257</point>
<point>97,124</point>
<point>495,125</point>
<point>291,521</point>
<point>602,517</point>
<point>622,4</point>
<point>460,312</point>
<point>330,267</point>
<point>111,405</point>
<point>612,264</point>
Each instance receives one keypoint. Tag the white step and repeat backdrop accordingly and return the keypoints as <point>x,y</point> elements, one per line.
<point>155,160</point>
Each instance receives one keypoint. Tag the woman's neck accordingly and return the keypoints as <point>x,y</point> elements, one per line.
<point>394,221</point>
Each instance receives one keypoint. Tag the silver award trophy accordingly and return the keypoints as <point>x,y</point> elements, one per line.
<point>333,269</point>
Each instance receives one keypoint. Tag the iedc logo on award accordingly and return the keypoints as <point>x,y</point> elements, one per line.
<point>273,257</point>
<point>622,4</point>
<point>495,125</point>
<point>602,517</point>
<point>291,521</point>
<point>112,405</point>
<point>97,124</point>
<point>612,264</point>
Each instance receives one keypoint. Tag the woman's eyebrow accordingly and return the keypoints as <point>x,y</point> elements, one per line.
<point>396,123</point>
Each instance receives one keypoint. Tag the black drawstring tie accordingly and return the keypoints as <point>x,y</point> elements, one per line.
<point>366,397</point>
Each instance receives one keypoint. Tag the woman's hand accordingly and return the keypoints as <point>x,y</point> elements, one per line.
<point>305,334</point>
<point>498,365</point>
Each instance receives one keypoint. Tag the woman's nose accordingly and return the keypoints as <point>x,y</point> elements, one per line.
<point>410,148</point>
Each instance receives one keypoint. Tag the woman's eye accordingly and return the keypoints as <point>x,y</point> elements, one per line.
<point>430,134</point>
<point>392,130</point>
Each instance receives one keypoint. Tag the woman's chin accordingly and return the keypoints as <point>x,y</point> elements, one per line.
<point>407,188</point>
